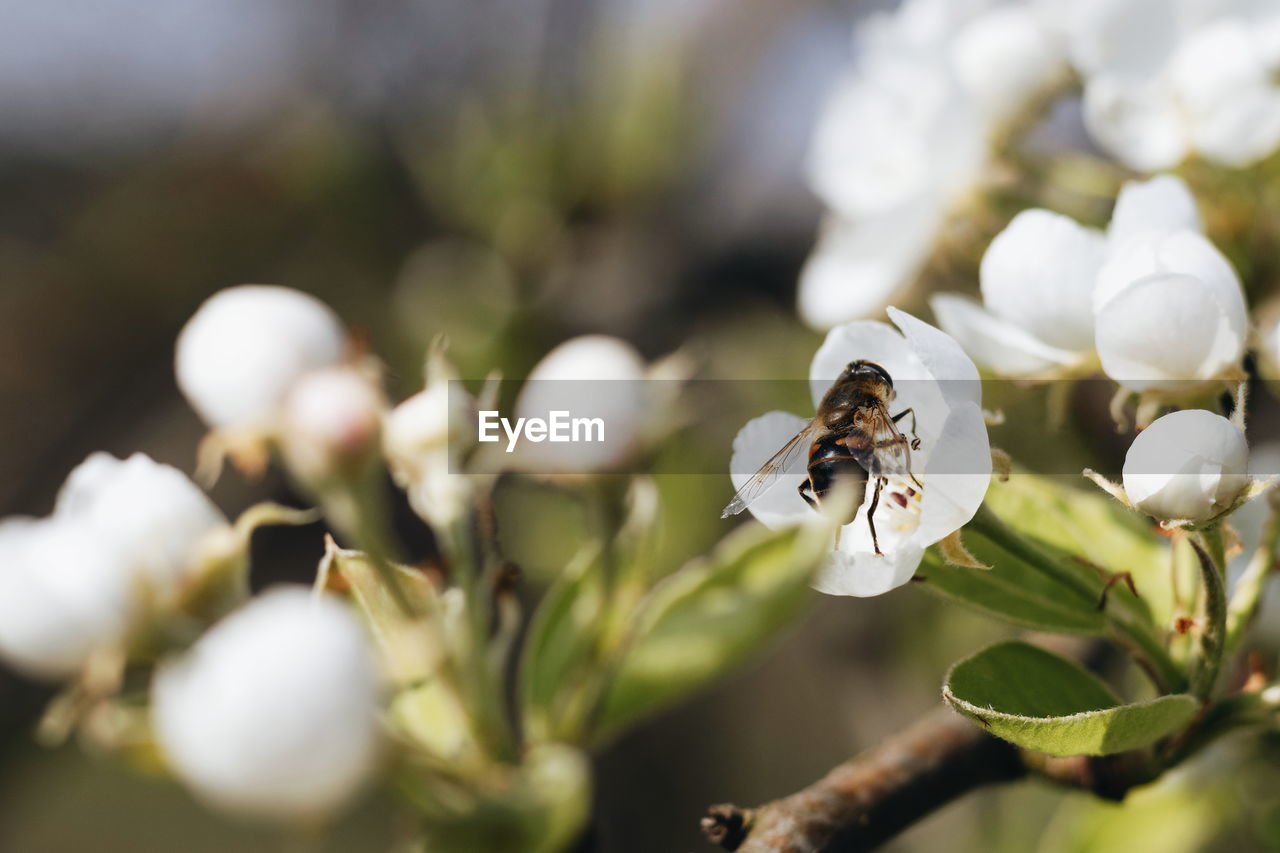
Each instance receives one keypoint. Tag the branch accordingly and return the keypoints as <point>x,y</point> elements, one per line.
<point>875,795</point>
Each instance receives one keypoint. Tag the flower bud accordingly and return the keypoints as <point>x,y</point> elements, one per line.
<point>62,596</point>
<point>1187,466</point>
<point>273,712</point>
<point>246,346</point>
<point>1169,309</point>
<point>594,376</point>
<point>331,422</point>
<point>151,516</point>
<point>423,442</point>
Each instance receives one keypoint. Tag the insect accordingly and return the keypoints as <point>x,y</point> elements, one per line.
<point>852,439</point>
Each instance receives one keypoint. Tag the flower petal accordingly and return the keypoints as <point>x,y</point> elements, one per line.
<point>957,475</point>
<point>754,445</point>
<point>1163,331</point>
<point>1038,273</point>
<point>864,339</point>
<point>1137,122</point>
<point>864,574</point>
<point>1003,347</point>
<point>942,357</point>
<point>859,267</point>
<point>1162,205</point>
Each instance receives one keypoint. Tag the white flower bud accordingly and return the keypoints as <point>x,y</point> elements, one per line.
<point>423,442</point>
<point>593,376</point>
<point>151,516</point>
<point>244,348</point>
<point>1170,309</point>
<point>1004,57</point>
<point>330,424</point>
<point>1189,465</point>
<point>273,713</point>
<point>62,596</point>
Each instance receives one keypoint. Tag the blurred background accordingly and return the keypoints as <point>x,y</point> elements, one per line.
<point>512,173</point>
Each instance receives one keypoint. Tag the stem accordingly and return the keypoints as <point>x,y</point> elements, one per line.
<point>1209,549</point>
<point>1248,593</point>
<point>1129,631</point>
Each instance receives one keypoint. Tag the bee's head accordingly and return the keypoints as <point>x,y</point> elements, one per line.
<point>868,370</point>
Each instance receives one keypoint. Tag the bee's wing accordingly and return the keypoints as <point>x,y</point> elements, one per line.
<point>891,452</point>
<point>781,463</point>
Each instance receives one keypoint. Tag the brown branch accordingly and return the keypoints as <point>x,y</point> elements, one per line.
<point>875,795</point>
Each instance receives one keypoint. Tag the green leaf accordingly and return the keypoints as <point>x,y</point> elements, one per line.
<point>711,615</point>
<point>555,668</point>
<point>1012,590</point>
<point>1040,701</point>
<point>1070,516</point>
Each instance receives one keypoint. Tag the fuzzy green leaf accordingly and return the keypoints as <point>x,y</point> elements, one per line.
<point>710,616</point>
<point>1040,701</point>
<point>1012,590</point>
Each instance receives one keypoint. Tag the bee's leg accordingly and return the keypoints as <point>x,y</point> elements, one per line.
<point>915,439</point>
<point>871,511</point>
<point>806,491</point>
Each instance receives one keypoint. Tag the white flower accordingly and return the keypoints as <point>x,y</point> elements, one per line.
<point>1170,310</point>
<point>62,596</point>
<point>860,266</point>
<point>1004,57</point>
<point>150,515</point>
<point>123,533</point>
<point>331,421</point>
<point>1189,465</point>
<point>424,439</point>
<point>246,346</point>
<point>273,712</point>
<point>1050,286</point>
<point>1167,79</point>
<point>592,376</point>
<point>933,377</point>
<point>1037,279</point>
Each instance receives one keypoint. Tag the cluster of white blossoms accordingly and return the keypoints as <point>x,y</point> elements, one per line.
<point>1167,78</point>
<point>906,135</point>
<point>125,535</point>
<point>1151,301</point>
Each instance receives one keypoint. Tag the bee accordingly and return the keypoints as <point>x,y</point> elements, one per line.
<point>852,439</point>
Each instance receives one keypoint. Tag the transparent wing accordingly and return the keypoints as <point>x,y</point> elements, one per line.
<point>890,453</point>
<point>781,463</point>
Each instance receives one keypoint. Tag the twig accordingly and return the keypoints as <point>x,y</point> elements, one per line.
<point>875,795</point>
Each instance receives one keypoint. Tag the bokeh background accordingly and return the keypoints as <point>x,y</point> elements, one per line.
<point>508,172</point>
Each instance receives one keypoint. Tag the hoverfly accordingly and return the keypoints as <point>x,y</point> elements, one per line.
<point>852,439</point>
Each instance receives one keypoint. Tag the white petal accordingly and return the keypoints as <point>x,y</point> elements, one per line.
<point>1186,252</point>
<point>899,127</point>
<point>1001,346</point>
<point>1129,38</point>
<point>859,267</point>
<point>151,516</point>
<point>1190,464</point>
<point>945,360</point>
<point>1228,94</point>
<point>62,596</point>
<point>1163,331</point>
<point>245,347</point>
<point>1139,123</point>
<point>1004,57</point>
<point>864,574</point>
<point>273,712</point>
<point>754,445</point>
<point>1161,205</point>
<point>592,376</point>
<point>1038,273</point>
<point>957,475</point>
